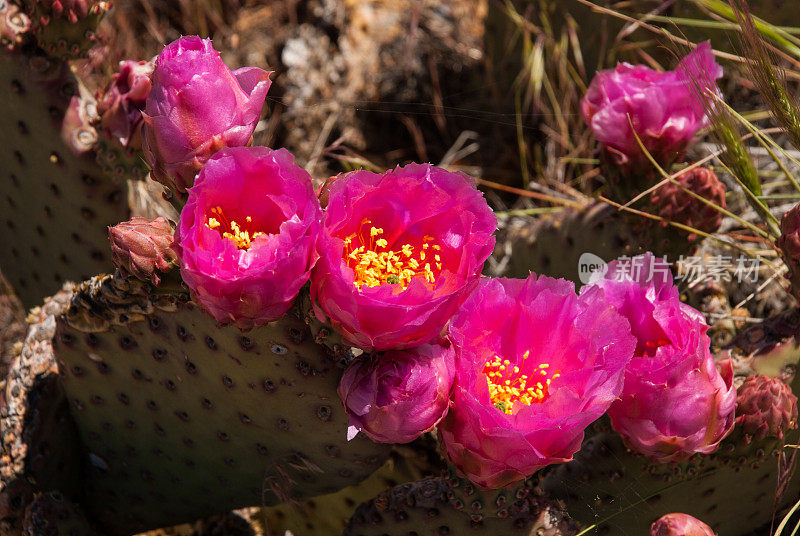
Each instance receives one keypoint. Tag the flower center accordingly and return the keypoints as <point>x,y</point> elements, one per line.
<point>230,229</point>
<point>375,264</point>
<point>508,388</point>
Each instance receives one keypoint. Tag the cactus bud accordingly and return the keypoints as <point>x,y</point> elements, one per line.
<point>72,10</point>
<point>141,246</point>
<point>324,190</point>
<point>765,407</point>
<point>674,204</point>
<point>66,28</point>
<point>397,396</point>
<point>680,525</point>
<point>196,107</point>
<point>121,104</point>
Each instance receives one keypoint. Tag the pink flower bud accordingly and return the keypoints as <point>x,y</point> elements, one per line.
<point>664,109</point>
<point>765,407</point>
<point>395,397</point>
<point>680,525</point>
<point>140,247</point>
<point>121,104</point>
<point>196,107</point>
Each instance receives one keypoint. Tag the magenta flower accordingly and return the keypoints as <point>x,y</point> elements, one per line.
<point>680,525</point>
<point>196,107</point>
<point>675,401</point>
<point>535,365</point>
<point>665,108</point>
<point>399,253</point>
<point>395,397</point>
<point>246,235</point>
<point>120,107</point>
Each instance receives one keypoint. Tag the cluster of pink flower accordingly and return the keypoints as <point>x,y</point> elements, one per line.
<point>510,372</point>
<point>665,110</point>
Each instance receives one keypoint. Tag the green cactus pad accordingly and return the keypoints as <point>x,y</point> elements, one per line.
<point>182,418</point>
<point>439,506</point>
<point>329,514</point>
<point>60,37</point>
<point>732,490</point>
<point>56,205</point>
<point>120,162</point>
<point>561,245</point>
<point>553,246</point>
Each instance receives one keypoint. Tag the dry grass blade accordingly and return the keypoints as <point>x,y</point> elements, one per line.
<point>533,195</point>
<point>736,158</point>
<point>550,83</point>
<point>786,519</point>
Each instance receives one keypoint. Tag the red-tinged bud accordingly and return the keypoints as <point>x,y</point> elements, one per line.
<point>680,525</point>
<point>674,203</point>
<point>765,407</point>
<point>141,247</point>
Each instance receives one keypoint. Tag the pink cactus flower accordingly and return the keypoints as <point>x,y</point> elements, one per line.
<point>675,401</point>
<point>399,253</point>
<point>535,365</point>
<point>121,104</point>
<point>196,107</point>
<point>665,109</point>
<point>680,525</point>
<point>395,397</point>
<point>246,235</point>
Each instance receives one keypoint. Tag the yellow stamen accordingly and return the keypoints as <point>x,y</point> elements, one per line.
<point>508,388</point>
<point>375,264</point>
<point>231,230</point>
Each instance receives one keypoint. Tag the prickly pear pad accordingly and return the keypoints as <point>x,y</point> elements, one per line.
<point>182,418</point>
<point>56,205</point>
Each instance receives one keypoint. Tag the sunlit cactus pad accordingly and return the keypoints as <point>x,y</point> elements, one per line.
<point>55,203</point>
<point>181,418</point>
<point>734,490</point>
